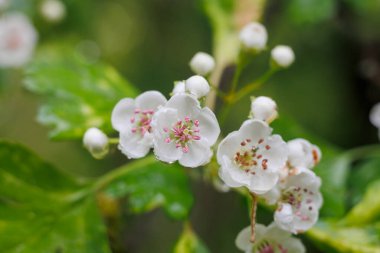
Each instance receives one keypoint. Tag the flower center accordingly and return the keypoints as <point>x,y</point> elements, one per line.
<point>250,156</point>
<point>267,247</point>
<point>141,121</point>
<point>182,133</point>
<point>296,197</point>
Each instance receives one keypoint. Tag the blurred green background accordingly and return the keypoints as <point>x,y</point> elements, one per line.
<point>329,90</point>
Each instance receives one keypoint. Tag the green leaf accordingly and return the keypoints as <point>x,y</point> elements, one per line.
<point>43,210</point>
<point>311,11</point>
<point>331,237</point>
<point>189,242</point>
<point>368,209</point>
<point>154,185</point>
<point>78,94</point>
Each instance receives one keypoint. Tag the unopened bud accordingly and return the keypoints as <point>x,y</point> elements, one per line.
<point>96,142</point>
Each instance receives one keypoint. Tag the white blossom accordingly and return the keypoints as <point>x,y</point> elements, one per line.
<point>283,56</point>
<point>254,36</point>
<point>184,131</point>
<point>269,239</point>
<point>299,202</point>
<point>202,64</point>
<point>96,142</point>
<point>303,154</point>
<point>179,88</point>
<point>197,86</point>
<point>252,157</point>
<point>374,115</point>
<point>53,10</point>
<point>132,119</point>
<point>264,108</point>
<point>18,39</point>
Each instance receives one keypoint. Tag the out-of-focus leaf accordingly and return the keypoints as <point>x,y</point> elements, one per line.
<point>79,94</point>
<point>331,237</point>
<point>43,210</point>
<point>189,242</point>
<point>311,11</point>
<point>156,184</point>
<point>368,209</point>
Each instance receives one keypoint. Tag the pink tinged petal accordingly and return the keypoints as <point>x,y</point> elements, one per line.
<point>122,114</point>
<point>150,100</point>
<point>198,154</point>
<point>186,105</point>
<point>134,145</point>
<point>208,125</point>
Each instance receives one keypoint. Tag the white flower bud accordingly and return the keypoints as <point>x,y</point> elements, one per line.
<point>202,64</point>
<point>53,10</point>
<point>96,142</point>
<point>179,88</point>
<point>254,36</point>
<point>197,86</point>
<point>264,108</point>
<point>374,115</point>
<point>283,56</point>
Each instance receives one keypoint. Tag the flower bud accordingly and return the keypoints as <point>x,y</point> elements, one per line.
<point>282,56</point>
<point>264,108</point>
<point>96,142</point>
<point>374,115</point>
<point>202,64</point>
<point>197,86</point>
<point>53,10</point>
<point>179,88</point>
<point>254,36</point>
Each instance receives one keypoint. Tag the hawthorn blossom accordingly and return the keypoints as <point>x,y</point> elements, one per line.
<point>184,131</point>
<point>264,108</point>
<point>202,64</point>
<point>96,142</point>
<point>18,39</point>
<point>197,86</point>
<point>303,154</point>
<point>298,201</point>
<point>282,56</point>
<point>252,157</point>
<point>269,239</point>
<point>254,36</point>
<point>132,119</point>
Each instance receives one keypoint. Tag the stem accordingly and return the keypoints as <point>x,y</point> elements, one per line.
<point>253,216</point>
<point>121,171</point>
<point>113,140</point>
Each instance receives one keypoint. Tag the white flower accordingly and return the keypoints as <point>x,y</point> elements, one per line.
<point>184,131</point>
<point>202,63</point>
<point>197,86</point>
<point>282,56</point>
<point>299,203</point>
<point>269,239</point>
<point>18,39</point>
<point>96,142</point>
<point>53,10</point>
<point>179,88</point>
<point>264,108</point>
<point>251,157</point>
<point>132,119</point>
<point>374,115</point>
<point>254,36</point>
<point>303,154</point>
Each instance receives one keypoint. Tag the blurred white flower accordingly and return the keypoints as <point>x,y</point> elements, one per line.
<point>303,154</point>
<point>254,36</point>
<point>132,119</point>
<point>96,142</point>
<point>197,86</point>
<point>184,131</point>
<point>264,108</point>
<point>18,39</point>
<point>4,4</point>
<point>53,10</point>
<point>202,64</point>
<point>282,56</point>
<point>374,115</point>
<point>179,88</point>
<point>269,239</point>
<point>252,157</point>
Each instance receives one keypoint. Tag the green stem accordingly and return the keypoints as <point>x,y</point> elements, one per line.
<point>113,140</point>
<point>369,151</point>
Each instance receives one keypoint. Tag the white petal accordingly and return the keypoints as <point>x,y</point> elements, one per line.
<point>271,197</point>
<point>224,174</point>
<point>150,100</point>
<point>263,181</point>
<point>233,175</point>
<point>255,130</point>
<point>186,105</point>
<point>208,125</point>
<point>122,113</point>
<point>229,145</point>
<point>166,152</point>
<point>300,153</point>
<point>277,155</point>
<point>133,145</point>
<point>284,217</point>
<point>199,154</point>
<point>374,115</point>
<point>243,240</point>
<point>293,245</point>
